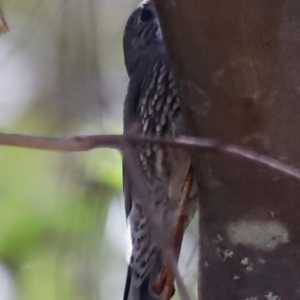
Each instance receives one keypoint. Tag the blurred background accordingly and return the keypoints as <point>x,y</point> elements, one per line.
<point>62,223</point>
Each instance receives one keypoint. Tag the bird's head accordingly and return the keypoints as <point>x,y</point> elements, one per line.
<point>142,35</point>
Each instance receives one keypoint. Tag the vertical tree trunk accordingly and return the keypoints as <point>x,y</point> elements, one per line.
<point>239,68</point>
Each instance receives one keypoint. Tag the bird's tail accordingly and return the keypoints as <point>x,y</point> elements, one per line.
<point>143,291</point>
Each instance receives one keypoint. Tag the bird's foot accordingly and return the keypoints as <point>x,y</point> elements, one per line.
<point>164,285</point>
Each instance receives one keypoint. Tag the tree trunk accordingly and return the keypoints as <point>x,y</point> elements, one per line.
<point>238,66</point>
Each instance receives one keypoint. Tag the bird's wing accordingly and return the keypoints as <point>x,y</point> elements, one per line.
<point>130,116</point>
<point>138,85</point>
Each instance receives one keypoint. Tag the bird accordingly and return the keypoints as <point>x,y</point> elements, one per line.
<point>153,103</point>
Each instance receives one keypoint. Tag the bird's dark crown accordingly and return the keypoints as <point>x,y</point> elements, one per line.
<point>142,35</point>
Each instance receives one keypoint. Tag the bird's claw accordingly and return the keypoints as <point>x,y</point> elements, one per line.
<point>164,285</point>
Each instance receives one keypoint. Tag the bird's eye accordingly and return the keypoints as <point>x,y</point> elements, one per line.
<point>146,15</point>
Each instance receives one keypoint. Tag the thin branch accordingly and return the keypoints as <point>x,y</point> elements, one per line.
<point>85,143</point>
<point>73,144</point>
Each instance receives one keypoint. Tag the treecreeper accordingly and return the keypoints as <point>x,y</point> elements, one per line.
<point>153,104</point>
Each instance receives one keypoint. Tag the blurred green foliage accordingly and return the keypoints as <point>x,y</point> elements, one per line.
<point>62,74</point>
<point>48,220</point>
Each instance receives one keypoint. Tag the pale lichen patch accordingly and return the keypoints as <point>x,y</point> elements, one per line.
<point>246,262</point>
<point>259,234</point>
<point>271,296</point>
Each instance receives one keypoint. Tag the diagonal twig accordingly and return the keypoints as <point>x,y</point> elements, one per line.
<point>3,25</point>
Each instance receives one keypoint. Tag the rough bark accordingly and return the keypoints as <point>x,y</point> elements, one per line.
<point>238,65</point>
